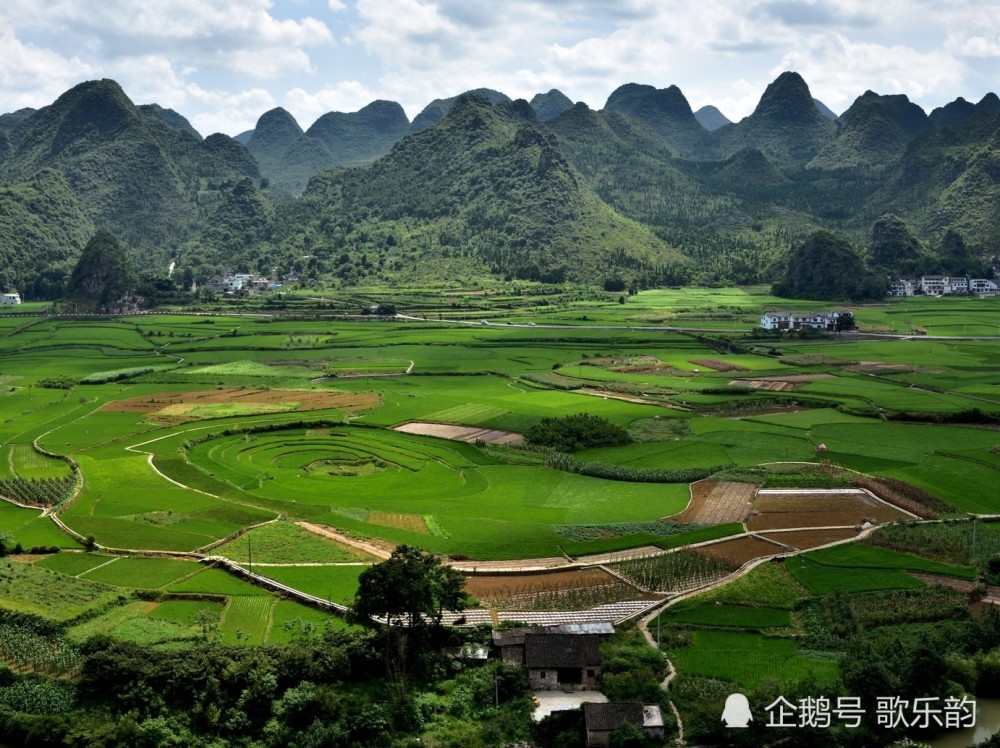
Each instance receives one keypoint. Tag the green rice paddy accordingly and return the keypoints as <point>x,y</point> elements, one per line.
<point>196,481</point>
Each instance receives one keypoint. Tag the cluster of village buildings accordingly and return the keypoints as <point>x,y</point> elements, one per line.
<point>943,285</point>
<point>567,657</point>
<point>241,284</point>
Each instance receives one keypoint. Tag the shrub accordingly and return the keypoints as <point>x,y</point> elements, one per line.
<point>575,432</point>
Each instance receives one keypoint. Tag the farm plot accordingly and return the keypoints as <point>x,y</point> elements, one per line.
<point>141,573</point>
<point>246,620</point>
<point>72,564</point>
<point>748,658</point>
<point>778,510</point>
<point>30,589</point>
<point>740,550</point>
<point>291,621</point>
<point>448,497</point>
<point>861,568</point>
<point>786,383</point>
<point>674,572</point>
<point>467,434</point>
<point>180,407</point>
<point>718,502</point>
<point>729,616</point>
<point>806,539</point>
<point>565,590</point>
<point>287,543</point>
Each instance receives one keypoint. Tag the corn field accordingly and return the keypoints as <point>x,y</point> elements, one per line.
<point>23,649</point>
<point>674,572</point>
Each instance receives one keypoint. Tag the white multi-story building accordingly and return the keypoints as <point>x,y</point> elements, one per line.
<point>798,320</point>
<point>982,287</point>
<point>902,287</point>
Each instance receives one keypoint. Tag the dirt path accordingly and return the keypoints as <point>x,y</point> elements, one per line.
<point>375,548</point>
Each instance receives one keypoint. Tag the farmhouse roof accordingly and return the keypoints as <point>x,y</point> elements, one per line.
<point>561,650</point>
<point>611,716</point>
<point>515,636</point>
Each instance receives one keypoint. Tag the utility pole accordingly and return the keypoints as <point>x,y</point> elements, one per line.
<point>249,554</point>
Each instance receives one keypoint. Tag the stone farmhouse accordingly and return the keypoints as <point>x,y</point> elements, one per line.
<point>603,719</point>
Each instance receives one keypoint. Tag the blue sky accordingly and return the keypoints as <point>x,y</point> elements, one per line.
<point>223,63</point>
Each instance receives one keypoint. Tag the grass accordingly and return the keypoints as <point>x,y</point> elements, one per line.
<point>854,567</point>
<point>217,582</point>
<point>72,564</point>
<point>747,659</point>
<point>730,616</point>
<point>286,543</point>
<point>767,584</point>
<point>246,620</point>
<point>148,573</point>
<point>335,583</point>
<point>291,620</point>
<point>30,589</point>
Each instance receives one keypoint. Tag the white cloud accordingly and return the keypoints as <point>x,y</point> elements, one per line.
<point>839,70</point>
<point>346,96</point>
<point>34,77</point>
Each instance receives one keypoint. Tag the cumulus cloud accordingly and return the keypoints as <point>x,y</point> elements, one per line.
<point>211,33</point>
<point>220,58</point>
<point>345,96</point>
<point>838,70</point>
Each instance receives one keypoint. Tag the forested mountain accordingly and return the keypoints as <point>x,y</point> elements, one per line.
<point>645,191</point>
<point>484,191</point>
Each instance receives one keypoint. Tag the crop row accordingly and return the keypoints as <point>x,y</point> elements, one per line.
<point>632,473</point>
<point>38,491</point>
<point>674,572</point>
<point>24,648</point>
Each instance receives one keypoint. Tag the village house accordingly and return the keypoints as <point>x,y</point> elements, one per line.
<point>9,299</point>
<point>982,287</point>
<point>603,719</point>
<point>942,285</point>
<point>902,287</point>
<point>566,662</point>
<point>825,321</point>
<point>510,641</point>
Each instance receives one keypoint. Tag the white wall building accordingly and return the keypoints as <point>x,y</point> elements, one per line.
<point>9,299</point>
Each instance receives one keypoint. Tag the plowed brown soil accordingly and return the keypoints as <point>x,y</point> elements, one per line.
<point>717,502</point>
<point>740,550</point>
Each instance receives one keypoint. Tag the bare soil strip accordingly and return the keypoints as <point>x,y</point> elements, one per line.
<point>780,384</point>
<point>807,539</point>
<point>717,502</point>
<point>468,434</point>
<point>741,550</point>
<point>714,363</point>
<point>301,399</point>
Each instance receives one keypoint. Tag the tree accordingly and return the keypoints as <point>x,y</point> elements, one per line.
<point>410,586</point>
<point>892,244</point>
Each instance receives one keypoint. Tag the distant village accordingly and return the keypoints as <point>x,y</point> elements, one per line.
<point>246,284</point>
<point>943,285</point>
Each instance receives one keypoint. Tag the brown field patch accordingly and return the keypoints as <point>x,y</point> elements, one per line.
<point>577,588</point>
<point>717,502</point>
<point>786,512</point>
<point>779,511</point>
<point>717,365</point>
<point>740,550</point>
<point>173,406</point>
<point>400,521</point>
<point>780,384</point>
<point>806,539</point>
<point>467,434</point>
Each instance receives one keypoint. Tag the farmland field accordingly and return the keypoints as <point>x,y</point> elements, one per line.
<point>254,426</point>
